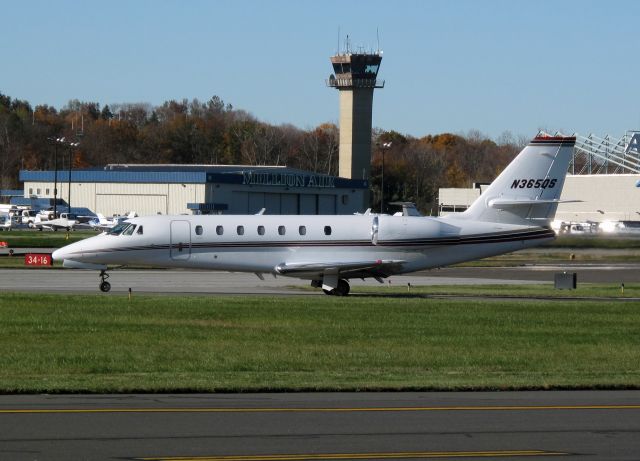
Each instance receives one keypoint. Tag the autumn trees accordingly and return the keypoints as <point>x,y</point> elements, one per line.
<point>415,168</point>
<point>213,132</point>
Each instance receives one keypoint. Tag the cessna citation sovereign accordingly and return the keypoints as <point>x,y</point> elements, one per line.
<point>513,213</point>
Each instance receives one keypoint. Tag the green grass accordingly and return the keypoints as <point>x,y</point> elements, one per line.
<point>101,343</point>
<point>542,290</point>
<point>595,241</point>
<point>43,239</point>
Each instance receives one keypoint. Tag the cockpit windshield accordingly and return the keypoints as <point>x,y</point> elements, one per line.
<point>120,229</point>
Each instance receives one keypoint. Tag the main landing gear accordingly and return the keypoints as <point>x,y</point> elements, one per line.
<point>104,285</point>
<point>341,290</point>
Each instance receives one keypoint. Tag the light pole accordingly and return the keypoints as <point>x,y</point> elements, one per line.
<point>55,141</point>
<point>385,146</point>
<point>71,146</point>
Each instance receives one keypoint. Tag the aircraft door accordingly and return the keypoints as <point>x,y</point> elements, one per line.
<point>180,246</point>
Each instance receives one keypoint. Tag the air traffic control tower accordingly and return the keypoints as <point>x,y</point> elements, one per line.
<point>355,76</point>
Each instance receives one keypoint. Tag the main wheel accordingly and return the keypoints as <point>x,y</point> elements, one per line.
<point>105,286</point>
<point>342,289</point>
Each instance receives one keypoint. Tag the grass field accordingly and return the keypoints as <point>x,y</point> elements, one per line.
<point>54,343</point>
<point>43,239</point>
<point>542,291</point>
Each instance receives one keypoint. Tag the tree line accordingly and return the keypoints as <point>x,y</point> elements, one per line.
<point>214,132</point>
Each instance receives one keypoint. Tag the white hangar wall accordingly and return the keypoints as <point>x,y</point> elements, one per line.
<point>121,198</point>
<point>604,198</point>
<point>613,197</point>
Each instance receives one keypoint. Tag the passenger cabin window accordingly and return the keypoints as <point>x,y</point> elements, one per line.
<point>198,230</point>
<point>302,230</point>
<point>240,230</point>
<point>281,230</point>
<point>327,230</point>
<point>140,232</point>
<point>260,230</point>
<point>219,230</point>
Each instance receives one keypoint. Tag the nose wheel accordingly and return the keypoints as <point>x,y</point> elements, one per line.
<point>104,285</point>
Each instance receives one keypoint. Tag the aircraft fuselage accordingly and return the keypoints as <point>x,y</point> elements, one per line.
<point>260,243</point>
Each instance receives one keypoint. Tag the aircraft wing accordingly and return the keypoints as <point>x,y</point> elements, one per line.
<point>354,269</point>
<point>55,224</point>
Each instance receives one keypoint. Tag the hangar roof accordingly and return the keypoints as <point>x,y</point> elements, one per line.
<point>190,174</point>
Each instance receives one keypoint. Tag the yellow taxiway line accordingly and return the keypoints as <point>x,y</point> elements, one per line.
<point>341,456</point>
<point>317,410</point>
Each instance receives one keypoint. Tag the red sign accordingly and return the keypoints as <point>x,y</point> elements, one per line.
<point>3,244</point>
<point>37,259</point>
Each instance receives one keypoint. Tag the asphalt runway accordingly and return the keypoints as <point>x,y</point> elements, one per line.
<point>209,282</point>
<point>190,281</point>
<point>594,425</point>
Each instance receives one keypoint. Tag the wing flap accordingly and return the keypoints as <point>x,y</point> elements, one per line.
<point>343,268</point>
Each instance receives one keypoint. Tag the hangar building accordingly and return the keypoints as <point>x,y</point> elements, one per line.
<point>206,189</point>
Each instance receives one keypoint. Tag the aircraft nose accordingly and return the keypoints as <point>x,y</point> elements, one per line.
<point>59,254</point>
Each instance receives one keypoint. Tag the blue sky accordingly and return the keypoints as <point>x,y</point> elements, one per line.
<point>449,66</point>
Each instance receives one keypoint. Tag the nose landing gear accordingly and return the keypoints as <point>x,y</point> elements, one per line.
<point>104,285</point>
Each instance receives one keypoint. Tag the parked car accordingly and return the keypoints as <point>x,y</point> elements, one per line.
<point>5,222</point>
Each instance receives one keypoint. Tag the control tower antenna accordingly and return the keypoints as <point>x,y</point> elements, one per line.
<point>355,77</point>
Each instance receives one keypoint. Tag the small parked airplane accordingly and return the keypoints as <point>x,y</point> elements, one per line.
<point>105,224</point>
<point>66,221</point>
<point>513,213</point>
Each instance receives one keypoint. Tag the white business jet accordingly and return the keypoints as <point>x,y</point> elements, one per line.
<point>513,213</point>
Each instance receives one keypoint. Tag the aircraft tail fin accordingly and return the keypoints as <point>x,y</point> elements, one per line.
<point>528,190</point>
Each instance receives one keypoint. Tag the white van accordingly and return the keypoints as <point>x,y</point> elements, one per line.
<point>28,217</point>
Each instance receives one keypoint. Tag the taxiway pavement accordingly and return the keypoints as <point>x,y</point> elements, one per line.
<point>193,281</point>
<point>595,425</point>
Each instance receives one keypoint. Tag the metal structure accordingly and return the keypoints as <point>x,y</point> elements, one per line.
<point>596,155</point>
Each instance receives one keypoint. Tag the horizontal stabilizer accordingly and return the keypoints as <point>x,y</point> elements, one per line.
<point>505,203</point>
